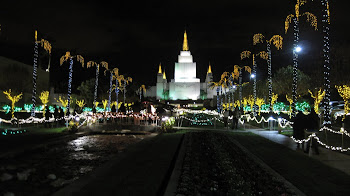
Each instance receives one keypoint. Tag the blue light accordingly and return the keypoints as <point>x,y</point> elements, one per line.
<point>298,49</point>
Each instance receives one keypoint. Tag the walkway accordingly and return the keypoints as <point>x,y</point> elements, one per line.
<point>331,158</point>
<point>142,170</point>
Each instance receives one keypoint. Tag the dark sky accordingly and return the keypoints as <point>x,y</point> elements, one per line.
<point>136,36</point>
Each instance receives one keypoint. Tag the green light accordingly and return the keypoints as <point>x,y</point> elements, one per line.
<point>7,108</point>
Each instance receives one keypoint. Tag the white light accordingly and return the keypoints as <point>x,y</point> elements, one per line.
<point>252,76</point>
<point>234,86</point>
<point>298,49</point>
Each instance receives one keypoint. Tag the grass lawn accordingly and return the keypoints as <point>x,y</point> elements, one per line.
<point>310,176</point>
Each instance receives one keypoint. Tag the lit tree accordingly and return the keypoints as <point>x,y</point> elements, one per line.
<point>290,100</point>
<point>224,84</point>
<point>259,103</point>
<point>70,75</point>
<point>247,54</point>
<point>14,99</point>
<point>80,103</point>
<point>47,46</point>
<point>313,21</point>
<point>115,70</point>
<point>344,92</point>
<point>44,97</point>
<point>118,84</point>
<point>216,85</point>
<point>273,99</point>
<point>91,64</point>
<point>251,102</point>
<point>64,103</point>
<point>104,103</point>
<point>238,69</point>
<point>326,51</point>
<point>142,89</point>
<point>276,41</point>
<point>245,103</point>
<point>318,96</point>
<point>126,82</point>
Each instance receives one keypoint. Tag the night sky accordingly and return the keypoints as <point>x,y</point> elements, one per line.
<point>136,37</point>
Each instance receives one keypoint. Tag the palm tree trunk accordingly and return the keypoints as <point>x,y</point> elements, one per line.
<point>269,73</point>
<point>218,99</point>
<point>124,90</point>
<point>254,86</point>
<point>116,93</point>
<point>35,75</point>
<point>110,91</point>
<point>295,65</point>
<point>240,86</point>
<point>96,84</point>
<point>70,78</point>
<point>326,66</point>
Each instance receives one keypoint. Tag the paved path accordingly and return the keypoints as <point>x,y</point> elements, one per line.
<point>142,170</point>
<point>331,158</point>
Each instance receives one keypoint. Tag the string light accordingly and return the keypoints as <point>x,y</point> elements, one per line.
<point>14,99</point>
<point>35,75</point>
<point>344,92</point>
<point>326,65</point>
<point>318,98</point>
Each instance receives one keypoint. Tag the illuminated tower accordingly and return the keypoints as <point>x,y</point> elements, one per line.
<point>161,83</point>
<point>185,85</point>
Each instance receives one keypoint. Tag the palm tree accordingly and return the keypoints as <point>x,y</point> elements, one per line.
<point>126,82</point>
<point>118,83</point>
<point>277,41</point>
<point>313,21</point>
<point>47,46</point>
<point>70,75</point>
<point>247,54</point>
<point>224,84</point>
<point>115,70</point>
<point>91,64</point>
<point>326,51</point>
<point>216,85</point>
<point>142,89</point>
<point>238,71</point>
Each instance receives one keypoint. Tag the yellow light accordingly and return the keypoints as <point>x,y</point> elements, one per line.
<point>258,38</point>
<point>260,102</point>
<point>185,44</point>
<point>160,68</point>
<point>104,103</point>
<point>312,19</point>
<point>318,97</point>
<point>344,92</point>
<point>277,40</point>
<point>245,54</point>
<point>287,22</point>
<point>209,69</point>
<point>274,99</point>
<point>14,99</point>
<point>44,97</point>
<point>164,76</point>
<point>80,103</point>
<point>290,100</point>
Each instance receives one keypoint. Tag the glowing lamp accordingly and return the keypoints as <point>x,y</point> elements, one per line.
<point>252,75</point>
<point>298,49</point>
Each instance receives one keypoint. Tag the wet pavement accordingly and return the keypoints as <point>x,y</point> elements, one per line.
<point>47,169</point>
<point>331,158</point>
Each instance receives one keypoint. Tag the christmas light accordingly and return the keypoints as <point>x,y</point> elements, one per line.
<point>344,92</point>
<point>44,97</point>
<point>14,99</point>
<point>318,98</point>
<point>313,21</point>
<point>91,64</point>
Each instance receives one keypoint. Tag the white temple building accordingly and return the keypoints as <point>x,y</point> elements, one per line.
<point>185,85</point>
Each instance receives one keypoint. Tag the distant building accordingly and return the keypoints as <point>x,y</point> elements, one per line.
<point>185,85</point>
<point>18,77</point>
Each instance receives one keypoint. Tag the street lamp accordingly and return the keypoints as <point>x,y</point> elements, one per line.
<point>298,49</point>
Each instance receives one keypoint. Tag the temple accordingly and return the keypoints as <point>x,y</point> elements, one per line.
<point>185,85</point>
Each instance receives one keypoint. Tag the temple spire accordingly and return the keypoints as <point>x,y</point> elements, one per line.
<point>164,76</point>
<point>160,68</point>
<point>209,69</point>
<point>185,44</point>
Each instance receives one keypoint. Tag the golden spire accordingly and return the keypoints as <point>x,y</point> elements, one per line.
<point>185,44</point>
<point>209,69</point>
<point>164,76</point>
<point>160,68</point>
<point>36,35</point>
